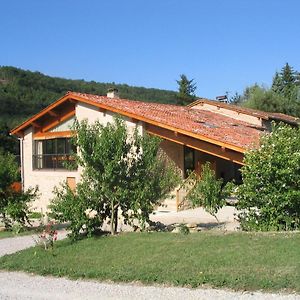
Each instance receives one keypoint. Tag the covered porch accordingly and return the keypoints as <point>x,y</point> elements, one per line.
<point>190,153</point>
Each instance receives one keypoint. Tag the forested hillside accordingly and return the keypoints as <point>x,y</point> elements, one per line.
<point>24,93</point>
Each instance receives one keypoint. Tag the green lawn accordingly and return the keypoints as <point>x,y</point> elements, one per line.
<point>250,261</point>
<point>8,233</point>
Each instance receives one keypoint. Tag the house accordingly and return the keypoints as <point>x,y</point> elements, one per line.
<point>203,131</point>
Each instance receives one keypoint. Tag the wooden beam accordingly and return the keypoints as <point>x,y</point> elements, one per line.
<point>58,120</point>
<point>53,113</point>
<point>103,110</point>
<point>36,125</point>
<point>197,144</point>
<point>52,135</point>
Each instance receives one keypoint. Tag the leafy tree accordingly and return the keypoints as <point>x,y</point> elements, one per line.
<point>122,174</point>
<point>186,90</point>
<point>8,143</point>
<point>236,99</point>
<point>208,191</point>
<point>14,206</point>
<point>283,96</point>
<point>270,193</point>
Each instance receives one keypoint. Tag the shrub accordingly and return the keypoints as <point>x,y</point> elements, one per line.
<point>208,191</point>
<point>14,206</point>
<point>270,194</point>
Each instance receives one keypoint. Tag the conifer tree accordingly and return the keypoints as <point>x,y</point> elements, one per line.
<point>186,90</point>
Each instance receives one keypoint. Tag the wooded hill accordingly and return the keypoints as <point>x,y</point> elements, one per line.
<point>24,93</point>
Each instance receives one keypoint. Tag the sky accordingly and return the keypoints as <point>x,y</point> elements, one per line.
<point>224,45</point>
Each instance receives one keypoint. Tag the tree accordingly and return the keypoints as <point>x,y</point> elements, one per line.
<point>122,174</point>
<point>14,206</point>
<point>283,96</point>
<point>208,191</point>
<point>288,78</point>
<point>186,90</point>
<point>277,84</point>
<point>7,142</point>
<point>270,193</point>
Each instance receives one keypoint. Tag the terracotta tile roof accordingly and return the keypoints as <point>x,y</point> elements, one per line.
<point>249,111</point>
<point>214,126</point>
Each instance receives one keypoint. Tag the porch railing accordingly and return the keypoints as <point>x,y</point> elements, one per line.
<point>182,192</point>
<point>52,161</point>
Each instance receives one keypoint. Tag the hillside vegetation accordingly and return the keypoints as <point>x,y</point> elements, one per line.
<point>24,93</point>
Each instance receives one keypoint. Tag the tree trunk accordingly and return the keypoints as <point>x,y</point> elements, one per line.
<point>116,219</point>
<point>112,219</point>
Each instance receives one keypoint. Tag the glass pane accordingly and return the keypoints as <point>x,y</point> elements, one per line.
<point>61,146</point>
<point>189,160</point>
<point>49,147</point>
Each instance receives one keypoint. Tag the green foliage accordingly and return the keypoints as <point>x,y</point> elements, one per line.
<point>8,143</point>
<point>24,93</point>
<point>208,191</point>
<point>183,229</point>
<point>13,205</point>
<point>122,173</point>
<point>270,193</point>
<point>284,95</point>
<point>186,90</point>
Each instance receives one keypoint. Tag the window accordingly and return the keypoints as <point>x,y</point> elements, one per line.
<point>53,154</point>
<point>189,160</point>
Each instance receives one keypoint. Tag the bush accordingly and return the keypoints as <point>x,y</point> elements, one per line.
<point>270,194</point>
<point>14,206</point>
<point>208,191</point>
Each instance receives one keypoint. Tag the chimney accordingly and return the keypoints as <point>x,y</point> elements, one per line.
<point>222,99</point>
<point>112,93</point>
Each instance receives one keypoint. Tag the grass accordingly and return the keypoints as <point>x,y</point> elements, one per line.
<point>9,233</point>
<point>28,230</point>
<point>241,261</point>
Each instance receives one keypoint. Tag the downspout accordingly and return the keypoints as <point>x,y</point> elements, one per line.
<point>22,162</point>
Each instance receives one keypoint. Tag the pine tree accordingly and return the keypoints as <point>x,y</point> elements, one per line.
<point>277,84</point>
<point>186,90</point>
<point>288,76</point>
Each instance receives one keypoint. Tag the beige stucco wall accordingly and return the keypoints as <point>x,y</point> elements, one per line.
<point>47,179</point>
<point>230,113</point>
<point>174,152</point>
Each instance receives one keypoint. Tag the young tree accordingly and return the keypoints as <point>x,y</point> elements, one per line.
<point>186,90</point>
<point>208,191</point>
<point>270,193</point>
<point>122,173</point>
<point>14,206</point>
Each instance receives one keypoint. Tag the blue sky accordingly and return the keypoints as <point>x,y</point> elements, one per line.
<point>224,45</point>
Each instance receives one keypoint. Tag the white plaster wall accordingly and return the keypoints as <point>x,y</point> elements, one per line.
<point>46,180</point>
<point>91,113</point>
<point>230,113</point>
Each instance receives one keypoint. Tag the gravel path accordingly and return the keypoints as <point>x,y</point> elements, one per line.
<point>23,286</point>
<point>11,245</point>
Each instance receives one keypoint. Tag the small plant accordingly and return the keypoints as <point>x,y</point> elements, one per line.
<point>17,228</point>
<point>183,229</point>
<point>47,238</point>
<point>209,192</point>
